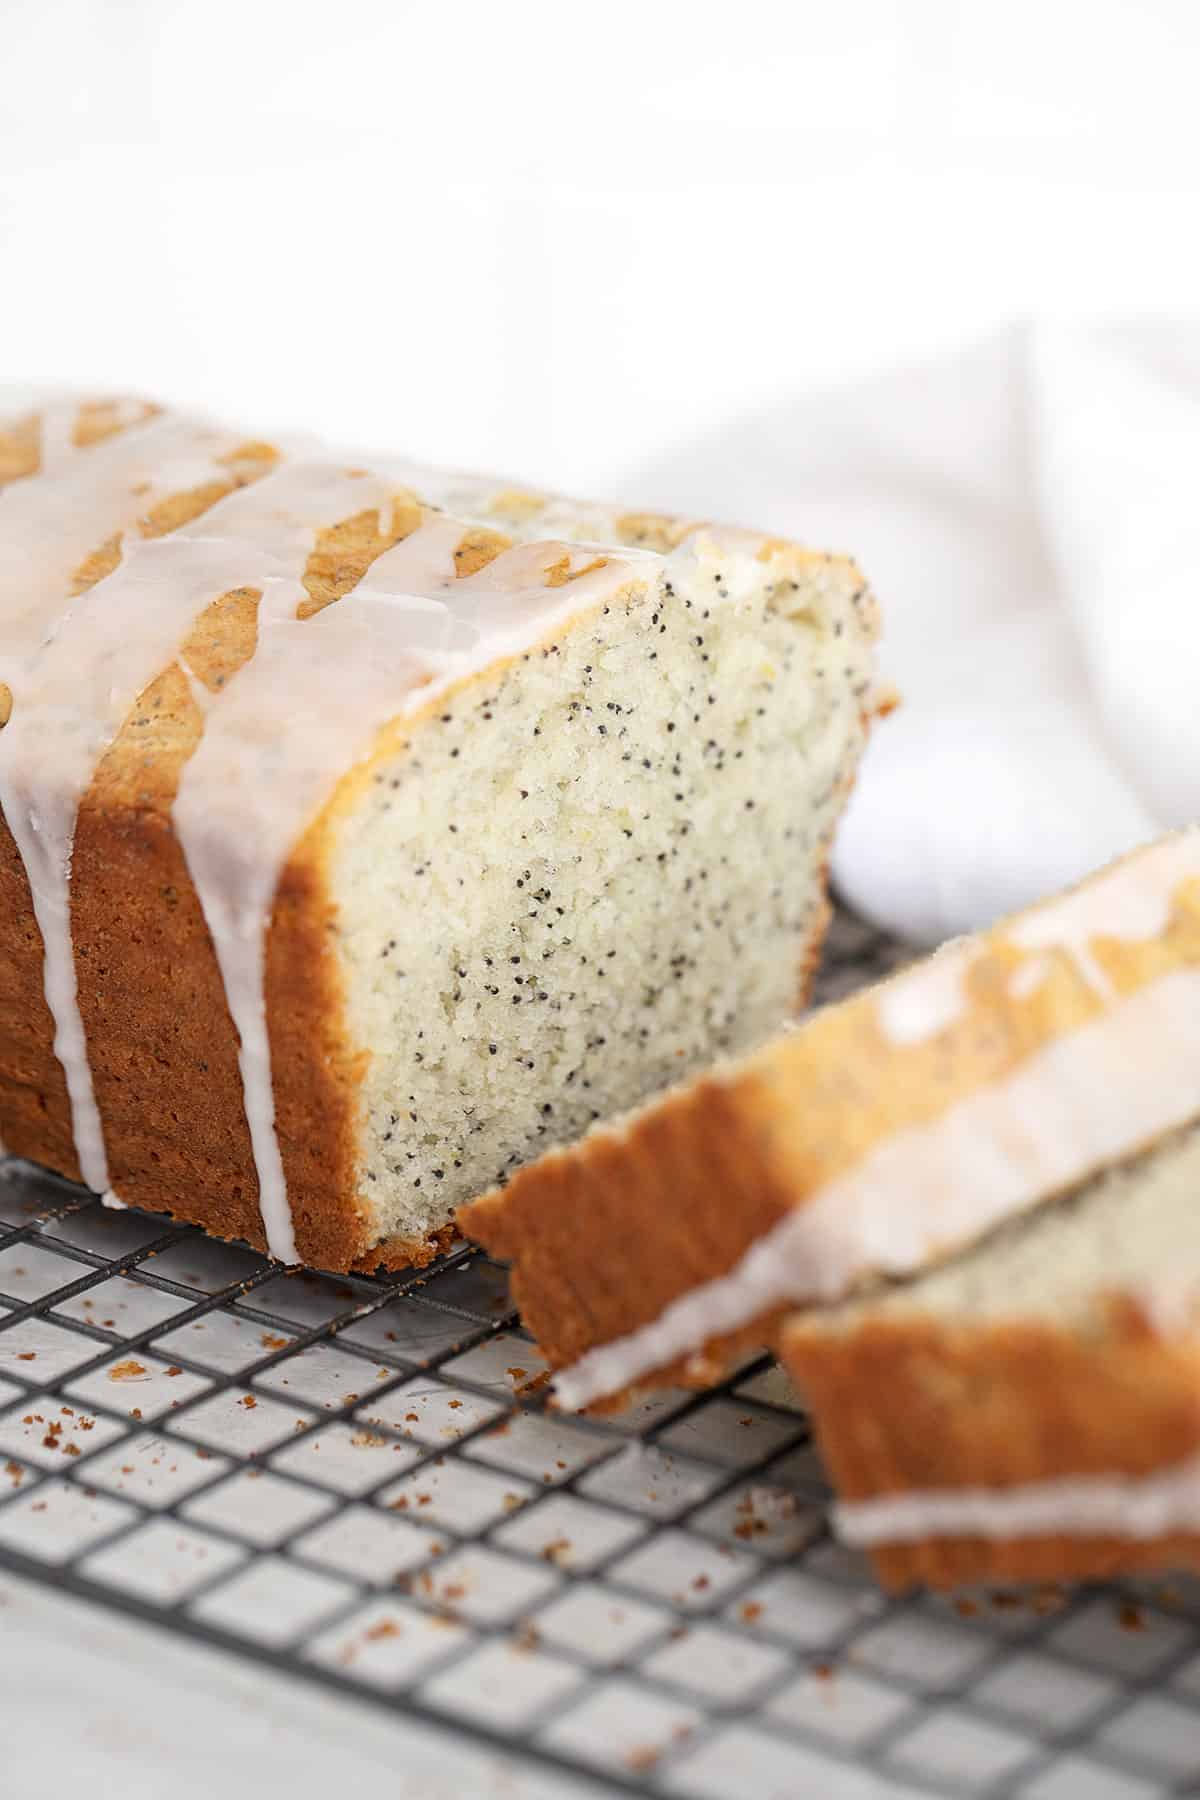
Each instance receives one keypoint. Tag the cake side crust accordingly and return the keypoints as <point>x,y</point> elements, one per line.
<point>917,1405</point>
<point>162,1044</point>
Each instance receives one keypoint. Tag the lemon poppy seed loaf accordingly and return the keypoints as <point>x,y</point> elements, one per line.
<point>368,830</point>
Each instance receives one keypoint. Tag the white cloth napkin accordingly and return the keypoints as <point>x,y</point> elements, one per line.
<point>1028,512</point>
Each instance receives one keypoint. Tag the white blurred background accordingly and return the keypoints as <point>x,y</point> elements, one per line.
<point>560,239</point>
<point>627,248</point>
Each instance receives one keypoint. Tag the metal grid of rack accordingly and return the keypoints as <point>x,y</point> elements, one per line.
<point>358,1481</point>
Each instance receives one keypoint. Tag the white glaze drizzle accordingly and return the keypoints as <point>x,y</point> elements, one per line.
<point>63,706</point>
<point>50,522</point>
<point>255,781</point>
<point>920,1002</point>
<point>78,690</point>
<point>1130,901</point>
<point>1084,1100</point>
<point>1122,1506</point>
<point>56,445</point>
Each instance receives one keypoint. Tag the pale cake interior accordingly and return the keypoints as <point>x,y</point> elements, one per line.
<point>588,876</point>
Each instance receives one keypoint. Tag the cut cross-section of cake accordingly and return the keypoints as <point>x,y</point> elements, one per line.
<point>368,829</point>
<point>882,1134</point>
<point>1030,1411</point>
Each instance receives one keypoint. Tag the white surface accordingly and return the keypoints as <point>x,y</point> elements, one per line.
<point>97,1704</point>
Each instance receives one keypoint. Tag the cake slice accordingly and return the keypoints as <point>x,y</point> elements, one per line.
<point>882,1134</point>
<point>1031,1410</point>
<point>368,829</point>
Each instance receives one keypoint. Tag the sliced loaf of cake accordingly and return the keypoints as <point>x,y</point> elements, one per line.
<point>1030,1410</point>
<point>367,830</point>
<point>884,1133</point>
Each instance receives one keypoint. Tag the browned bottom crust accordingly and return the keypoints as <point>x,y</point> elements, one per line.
<point>701,1368</point>
<point>908,1405</point>
<point>404,1253</point>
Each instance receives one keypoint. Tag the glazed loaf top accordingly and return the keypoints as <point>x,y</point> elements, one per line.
<point>357,597</point>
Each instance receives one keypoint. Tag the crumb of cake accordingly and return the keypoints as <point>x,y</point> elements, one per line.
<point>129,1370</point>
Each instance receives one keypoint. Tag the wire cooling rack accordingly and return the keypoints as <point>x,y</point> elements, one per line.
<point>357,1481</point>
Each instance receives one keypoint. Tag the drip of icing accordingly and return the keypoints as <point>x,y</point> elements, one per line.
<point>67,706</point>
<point>921,1002</point>
<point>80,688</point>
<point>1122,1506</point>
<point>58,411</point>
<point>1028,977</point>
<point>77,690</point>
<point>50,522</point>
<point>59,416</point>
<point>113,1202</point>
<point>1132,901</point>
<point>409,629</point>
<point>58,420</point>
<point>1087,1099</point>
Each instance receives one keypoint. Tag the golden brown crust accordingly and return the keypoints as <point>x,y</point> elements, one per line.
<point>911,1404</point>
